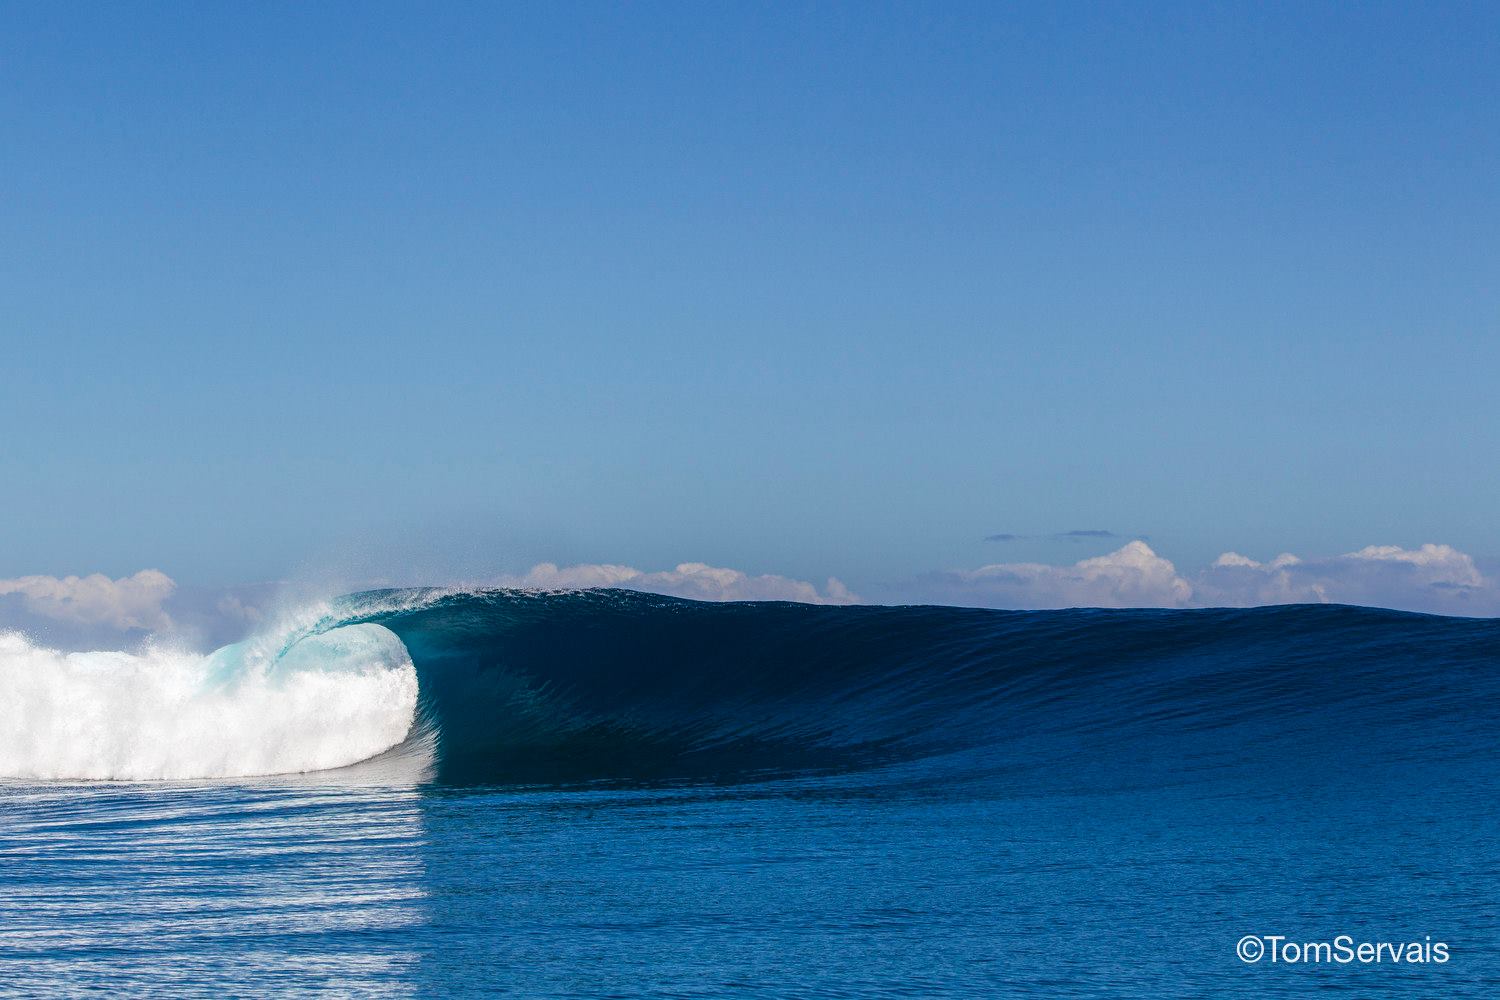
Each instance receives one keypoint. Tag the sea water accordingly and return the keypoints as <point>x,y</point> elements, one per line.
<point>605,794</point>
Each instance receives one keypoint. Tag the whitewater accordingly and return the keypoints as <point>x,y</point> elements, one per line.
<point>326,701</point>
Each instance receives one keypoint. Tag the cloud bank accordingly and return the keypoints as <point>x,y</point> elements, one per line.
<point>131,602</point>
<point>1436,578</point>
<point>697,581</point>
<point>1130,577</point>
<point>1433,578</point>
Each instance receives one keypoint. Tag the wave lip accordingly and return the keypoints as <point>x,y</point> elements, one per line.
<point>325,701</point>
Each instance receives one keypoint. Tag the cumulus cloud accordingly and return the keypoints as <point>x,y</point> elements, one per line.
<point>131,602</point>
<point>1131,576</point>
<point>1436,578</point>
<point>234,607</point>
<point>697,581</point>
<point>1433,578</point>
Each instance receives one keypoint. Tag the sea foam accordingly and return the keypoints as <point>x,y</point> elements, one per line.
<point>324,701</point>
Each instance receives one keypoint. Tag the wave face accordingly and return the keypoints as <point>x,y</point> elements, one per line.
<point>611,685</point>
<point>325,700</point>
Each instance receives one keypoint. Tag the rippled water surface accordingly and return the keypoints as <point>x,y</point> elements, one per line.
<point>798,889</point>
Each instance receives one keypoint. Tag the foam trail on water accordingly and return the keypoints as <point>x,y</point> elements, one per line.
<point>324,701</point>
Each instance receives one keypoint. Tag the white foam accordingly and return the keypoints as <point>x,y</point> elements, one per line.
<point>327,701</point>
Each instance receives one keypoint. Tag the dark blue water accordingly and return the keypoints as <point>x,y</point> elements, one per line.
<point>638,796</point>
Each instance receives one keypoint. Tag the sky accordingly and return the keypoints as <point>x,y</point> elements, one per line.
<point>888,294</point>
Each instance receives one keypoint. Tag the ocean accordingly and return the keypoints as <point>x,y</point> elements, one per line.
<point>613,794</point>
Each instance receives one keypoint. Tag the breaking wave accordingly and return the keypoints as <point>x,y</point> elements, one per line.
<point>608,685</point>
<point>518,687</point>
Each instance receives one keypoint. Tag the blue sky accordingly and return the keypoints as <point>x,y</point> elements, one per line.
<point>807,290</point>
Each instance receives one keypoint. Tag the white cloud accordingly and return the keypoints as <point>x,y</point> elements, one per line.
<point>231,606</point>
<point>1432,578</point>
<point>129,602</point>
<point>1435,578</point>
<point>697,581</point>
<point>1132,576</point>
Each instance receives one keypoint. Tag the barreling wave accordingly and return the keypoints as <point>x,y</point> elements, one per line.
<point>615,685</point>
<point>522,687</point>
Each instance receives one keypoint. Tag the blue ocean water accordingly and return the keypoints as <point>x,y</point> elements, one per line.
<point>620,795</point>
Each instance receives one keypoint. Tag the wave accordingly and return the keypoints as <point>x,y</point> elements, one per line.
<point>516,687</point>
<point>614,685</point>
